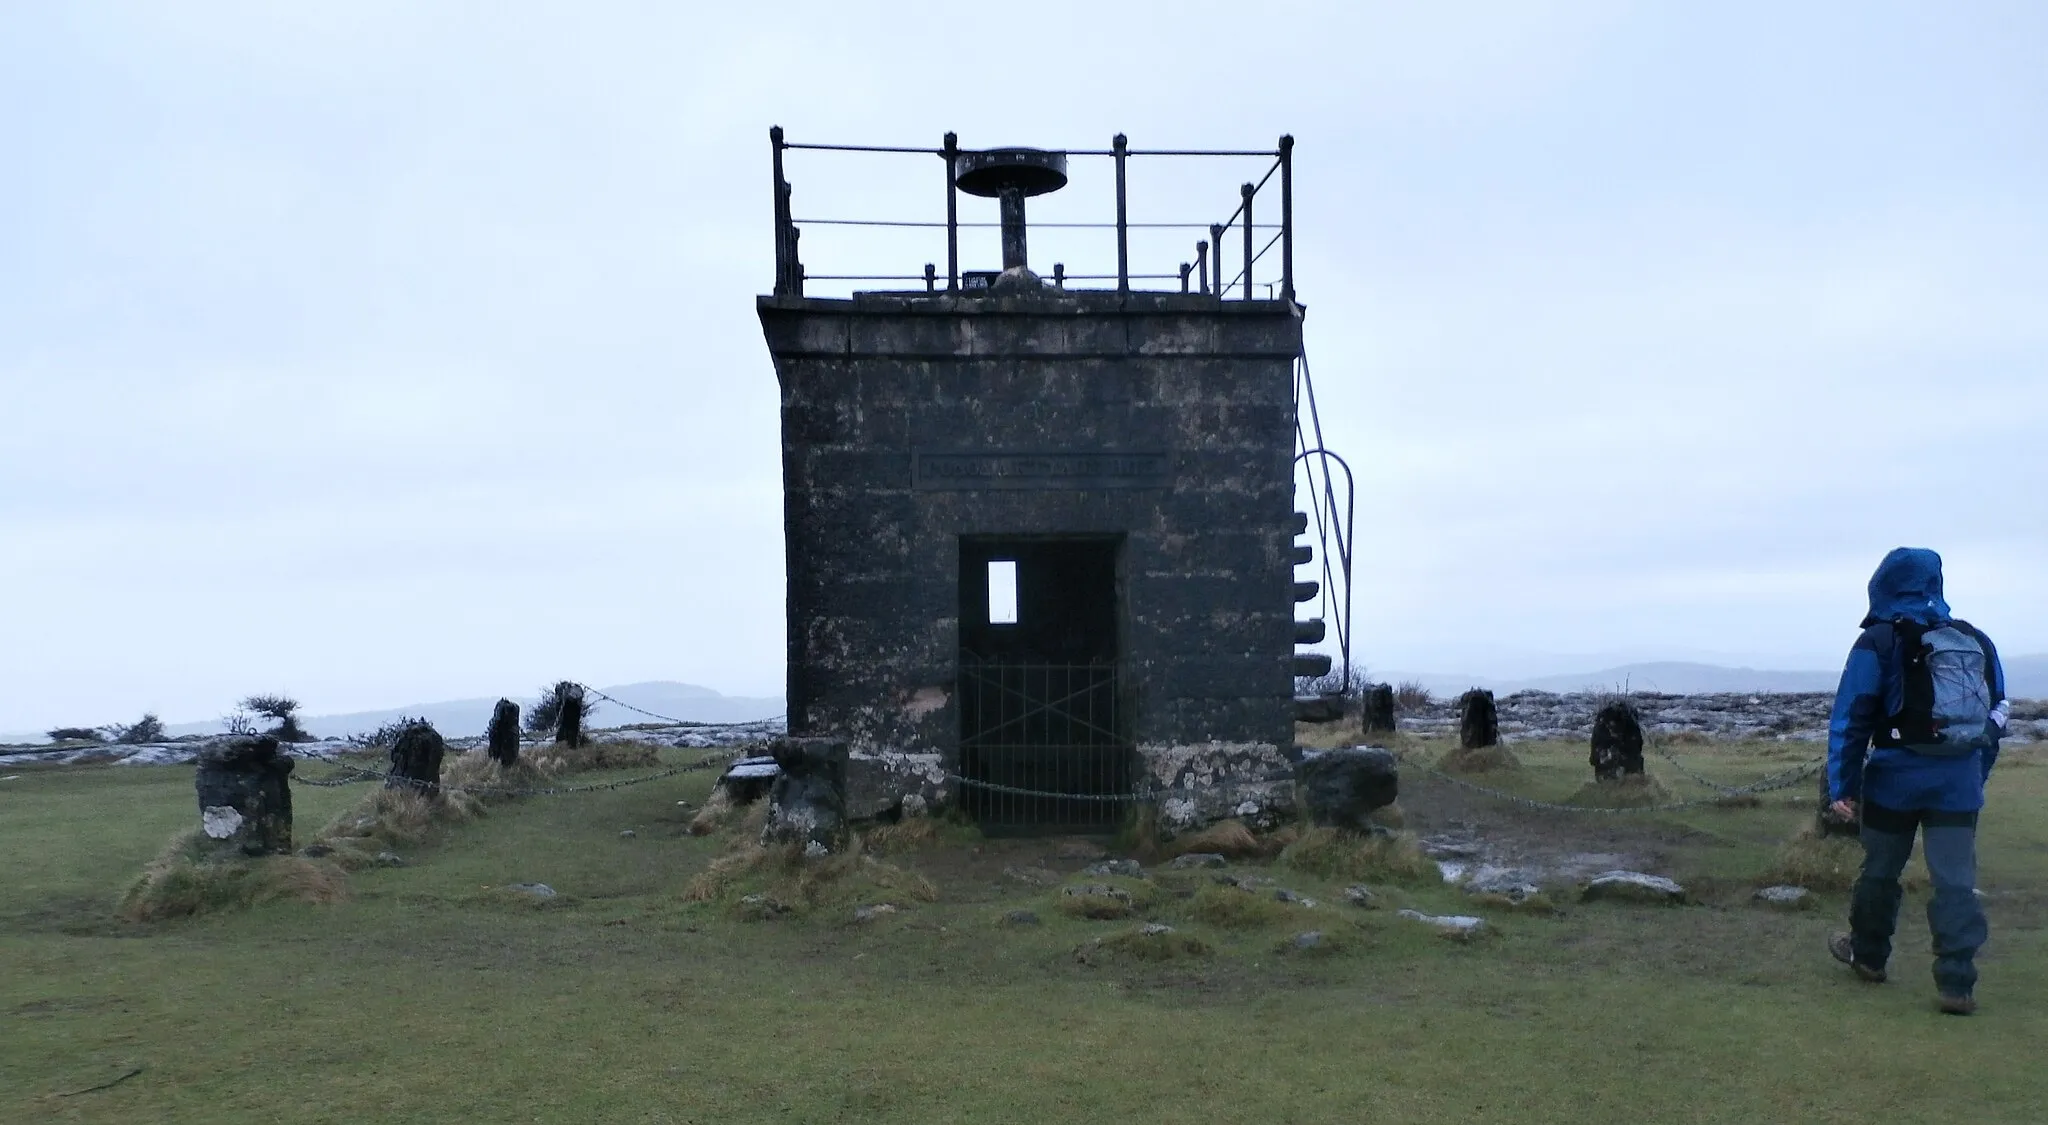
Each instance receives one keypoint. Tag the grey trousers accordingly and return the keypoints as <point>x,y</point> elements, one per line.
<point>1953,914</point>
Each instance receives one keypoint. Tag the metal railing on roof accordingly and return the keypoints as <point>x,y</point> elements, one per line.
<point>1204,274</point>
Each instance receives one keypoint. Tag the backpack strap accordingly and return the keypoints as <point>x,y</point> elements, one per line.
<point>1990,657</point>
<point>1912,723</point>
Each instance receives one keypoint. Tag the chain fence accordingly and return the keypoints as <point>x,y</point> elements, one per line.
<point>1723,793</point>
<point>359,774</point>
<point>1775,782</point>
<point>671,719</point>
<point>353,775</point>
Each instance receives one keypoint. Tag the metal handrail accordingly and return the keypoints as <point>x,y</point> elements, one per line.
<point>1207,268</point>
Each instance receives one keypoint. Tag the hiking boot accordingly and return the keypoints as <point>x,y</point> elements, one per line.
<point>1842,950</point>
<point>1956,1005</point>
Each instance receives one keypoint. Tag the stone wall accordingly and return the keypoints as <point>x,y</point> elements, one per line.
<point>909,422</point>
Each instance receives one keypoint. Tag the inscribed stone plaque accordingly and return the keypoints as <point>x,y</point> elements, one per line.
<point>1041,470</point>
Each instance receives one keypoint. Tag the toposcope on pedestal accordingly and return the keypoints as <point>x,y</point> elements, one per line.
<point>1011,175</point>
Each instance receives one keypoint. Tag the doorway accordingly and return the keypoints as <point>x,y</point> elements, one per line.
<point>1043,718</point>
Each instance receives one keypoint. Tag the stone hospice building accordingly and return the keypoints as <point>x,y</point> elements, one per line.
<point>1041,540</point>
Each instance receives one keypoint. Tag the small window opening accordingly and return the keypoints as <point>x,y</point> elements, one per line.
<point>1002,592</point>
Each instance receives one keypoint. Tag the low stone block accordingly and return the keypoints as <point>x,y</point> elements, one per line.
<point>1342,787</point>
<point>1633,886</point>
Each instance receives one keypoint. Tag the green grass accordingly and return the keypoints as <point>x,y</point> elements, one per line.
<point>430,994</point>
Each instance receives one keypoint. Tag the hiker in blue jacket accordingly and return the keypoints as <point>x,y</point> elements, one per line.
<point>1927,691</point>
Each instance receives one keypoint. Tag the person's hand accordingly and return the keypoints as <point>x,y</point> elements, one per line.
<point>1844,808</point>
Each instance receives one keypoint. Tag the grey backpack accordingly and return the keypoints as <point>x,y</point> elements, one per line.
<point>1946,712</point>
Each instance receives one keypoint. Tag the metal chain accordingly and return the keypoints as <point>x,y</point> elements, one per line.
<point>588,690</point>
<point>1770,784</point>
<point>1014,791</point>
<point>1689,773</point>
<point>502,791</point>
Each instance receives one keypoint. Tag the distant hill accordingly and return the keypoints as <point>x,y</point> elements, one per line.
<point>1673,677</point>
<point>2026,677</point>
<point>459,717</point>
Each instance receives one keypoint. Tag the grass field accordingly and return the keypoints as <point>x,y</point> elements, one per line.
<point>432,994</point>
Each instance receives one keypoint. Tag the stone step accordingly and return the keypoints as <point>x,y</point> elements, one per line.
<point>1311,664</point>
<point>1318,708</point>
<point>1309,632</point>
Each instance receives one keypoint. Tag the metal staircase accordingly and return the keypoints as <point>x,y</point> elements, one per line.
<point>1324,480</point>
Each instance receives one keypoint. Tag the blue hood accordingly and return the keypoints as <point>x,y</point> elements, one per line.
<point>1907,585</point>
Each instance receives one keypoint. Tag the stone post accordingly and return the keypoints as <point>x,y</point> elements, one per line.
<point>504,733</point>
<point>416,760</point>
<point>1478,721</point>
<point>1617,741</point>
<point>1379,708</point>
<point>807,803</point>
<point>245,795</point>
<point>569,720</point>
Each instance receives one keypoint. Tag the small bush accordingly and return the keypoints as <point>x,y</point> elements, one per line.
<point>1333,682</point>
<point>384,737</point>
<point>76,734</point>
<point>1339,854</point>
<point>546,713</point>
<point>145,730</point>
<point>1410,697</point>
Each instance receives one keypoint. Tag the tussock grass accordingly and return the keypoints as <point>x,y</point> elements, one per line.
<point>718,812</point>
<point>1236,908</point>
<point>188,877</point>
<point>1538,903</point>
<point>1141,895</point>
<point>1626,792</point>
<point>1338,939</point>
<point>388,819</point>
<point>1339,854</point>
<point>1140,946</point>
<point>1140,835</point>
<point>1484,759</point>
<point>1094,908</point>
<point>918,834</point>
<point>1227,837</point>
<point>478,774</point>
<point>615,754</point>
<point>1827,863</point>
<point>799,882</point>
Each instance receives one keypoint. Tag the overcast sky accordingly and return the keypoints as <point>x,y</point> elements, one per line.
<point>387,352</point>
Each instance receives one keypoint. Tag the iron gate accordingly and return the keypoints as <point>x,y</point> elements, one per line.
<point>1049,729</point>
